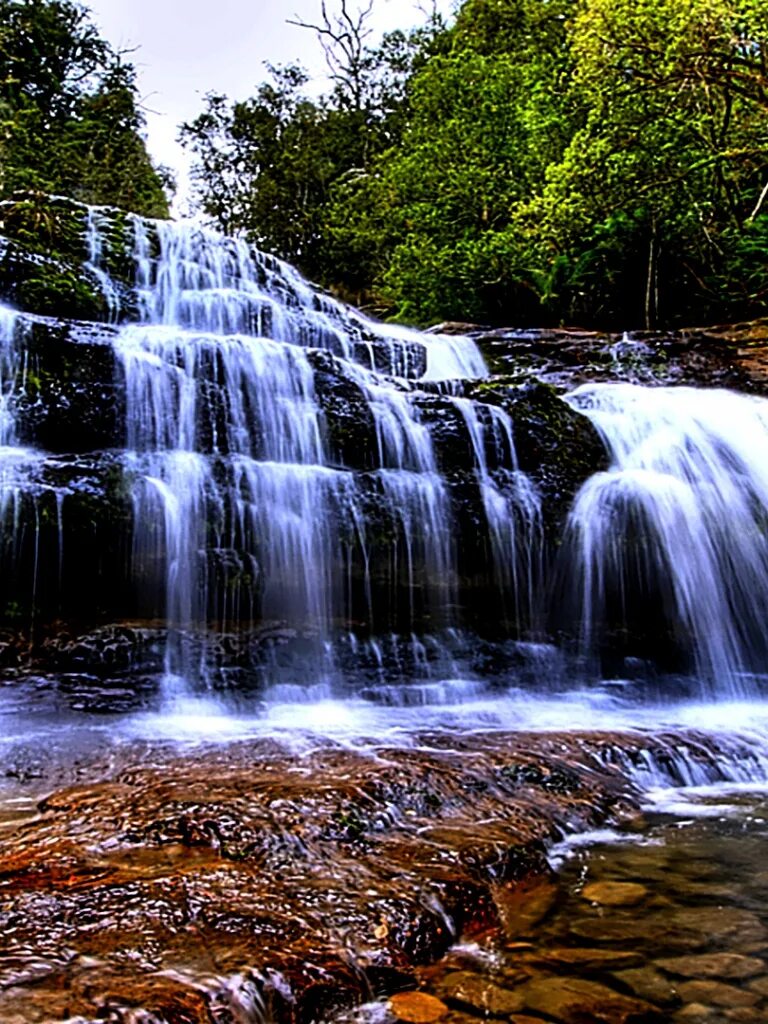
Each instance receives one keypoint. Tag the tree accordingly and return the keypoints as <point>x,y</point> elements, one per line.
<point>71,121</point>
<point>485,118</point>
<point>666,172</point>
<point>602,161</point>
<point>268,165</point>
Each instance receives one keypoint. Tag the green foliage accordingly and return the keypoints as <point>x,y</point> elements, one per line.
<point>602,161</point>
<point>70,121</point>
<point>269,165</point>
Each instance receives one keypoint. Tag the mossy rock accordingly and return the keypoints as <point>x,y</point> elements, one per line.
<point>72,399</point>
<point>558,447</point>
<point>44,255</point>
<point>66,543</point>
<point>47,285</point>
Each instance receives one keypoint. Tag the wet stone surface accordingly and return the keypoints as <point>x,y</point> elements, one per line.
<point>241,883</point>
<point>244,883</point>
<point>675,953</point>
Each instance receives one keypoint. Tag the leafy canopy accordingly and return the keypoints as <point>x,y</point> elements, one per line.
<point>539,161</point>
<point>70,120</point>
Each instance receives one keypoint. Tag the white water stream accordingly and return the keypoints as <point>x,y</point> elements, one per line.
<point>246,512</point>
<point>682,516</point>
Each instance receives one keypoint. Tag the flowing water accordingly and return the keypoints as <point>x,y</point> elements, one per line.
<point>286,475</point>
<point>679,518</point>
<point>288,469</point>
<point>666,922</point>
<point>228,441</point>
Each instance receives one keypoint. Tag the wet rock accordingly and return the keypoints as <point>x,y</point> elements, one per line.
<point>558,446</point>
<point>716,993</point>
<point>682,929</point>
<point>697,1013</point>
<point>583,959</point>
<point>72,399</point>
<point>574,1001</point>
<point>417,1007</point>
<point>244,862</point>
<point>650,984</point>
<point>713,965</point>
<point>480,994</point>
<point>734,355</point>
<point>523,905</point>
<point>760,985</point>
<point>614,894</point>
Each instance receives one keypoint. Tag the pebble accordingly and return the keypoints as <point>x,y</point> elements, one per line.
<point>648,983</point>
<point>760,985</point>
<point>417,1007</point>
<point>575,1001</point>
<point>716,993</point>
<point>479,993</point>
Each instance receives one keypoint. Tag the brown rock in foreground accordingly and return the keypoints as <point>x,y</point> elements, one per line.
<point>242,881</point>
<point>246,883</point>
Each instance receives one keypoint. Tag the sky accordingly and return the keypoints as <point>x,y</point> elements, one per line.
<point>183,49</point>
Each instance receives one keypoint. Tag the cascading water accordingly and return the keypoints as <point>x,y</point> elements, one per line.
<point>270,466</point>
<point>294,468</point>
<point>241,501</point>
<point>676,530</point>
<point>17,463</point>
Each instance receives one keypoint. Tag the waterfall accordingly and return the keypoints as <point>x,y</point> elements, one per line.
<point>245,511</point>
<point>17,462</point>
<point>24,494</point>
<point>674,536</point>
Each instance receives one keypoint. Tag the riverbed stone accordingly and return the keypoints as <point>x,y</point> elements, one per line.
<point>417,1007</point>
<point>574,1001</point>
<point>716,993</point>
<point>759,985</point>
<point>614,894</point>
<point>649,983</point>
<point>480,994</point>
<point>584,959</point>
<point>678,929</point>
<point>713,965</point>
<point>697,1013</point>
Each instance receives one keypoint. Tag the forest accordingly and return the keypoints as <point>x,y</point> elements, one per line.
<point>534,162</point>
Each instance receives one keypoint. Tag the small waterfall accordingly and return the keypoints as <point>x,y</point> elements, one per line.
<point>96,224</point>
<point>673,538</point>
<point>17,463</point>
<point>513,512</point>
<point>25,496</point>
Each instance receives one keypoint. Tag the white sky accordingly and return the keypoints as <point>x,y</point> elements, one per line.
<point>186,48</point>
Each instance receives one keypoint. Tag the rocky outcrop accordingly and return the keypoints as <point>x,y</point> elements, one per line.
<point>730,355</point>
<point>244,881</point>
<point>70,270</point>
<point>248,883</point>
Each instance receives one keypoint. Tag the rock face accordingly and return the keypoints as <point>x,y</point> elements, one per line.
<point>212,442</point>
<point>727,356</point>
